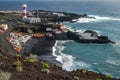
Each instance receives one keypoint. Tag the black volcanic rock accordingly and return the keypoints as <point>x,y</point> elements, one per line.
<point>50,16</point>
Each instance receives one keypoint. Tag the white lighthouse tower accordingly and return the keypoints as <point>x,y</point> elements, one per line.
<point>24,11</point>
<point>29,19</point>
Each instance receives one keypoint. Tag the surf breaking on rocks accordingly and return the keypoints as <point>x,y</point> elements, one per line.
<point>97,19</point>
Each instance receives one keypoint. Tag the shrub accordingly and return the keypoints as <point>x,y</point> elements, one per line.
<point>45,70</point>
<point>18,55</point>
<point>76,78</point>
<point>108,76</point>
<point>5,75</point>
<point>18,68</point>
<point>84,71</point>
<point>17,63</point>
<point>1,55</point>
<point>29,60</point>
<point>5,57</point>
<point>1,63</point>
<point>98,79</point>
<point>45,65</point>
<point>32,58</point>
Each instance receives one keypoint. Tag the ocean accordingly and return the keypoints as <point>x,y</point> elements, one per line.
<point>101,58</point>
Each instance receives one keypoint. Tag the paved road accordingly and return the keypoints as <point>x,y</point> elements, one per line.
<point>5,41</point>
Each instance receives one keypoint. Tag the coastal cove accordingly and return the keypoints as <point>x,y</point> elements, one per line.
<point>61,50</point>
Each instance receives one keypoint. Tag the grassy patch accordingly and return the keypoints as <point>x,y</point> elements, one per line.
<point>45,70</point>
<point>5,75</point>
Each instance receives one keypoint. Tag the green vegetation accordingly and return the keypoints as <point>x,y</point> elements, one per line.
<point>8,17</point>
<point>76,78</point>
<point>18,68</point>
<point>108,76</point>
<point>45,70</point>
<point>29,60</point>
<point>5,57</point>
<point>18,55</point>
<point>32,58</point>
<point>1,63</point>
<point>98,79</point>
<point>45,65</point>
<point>1,55</point>
<point>5,75</point>
<point>18,65</point>
<point>84,71</point>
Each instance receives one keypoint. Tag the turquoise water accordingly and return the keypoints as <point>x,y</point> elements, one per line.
<point>103,58</point>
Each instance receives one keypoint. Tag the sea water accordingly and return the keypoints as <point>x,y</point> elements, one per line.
<point>101,58</point>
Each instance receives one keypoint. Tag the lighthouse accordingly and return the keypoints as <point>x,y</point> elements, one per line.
<point>29,19</point>
<point>24,10</point>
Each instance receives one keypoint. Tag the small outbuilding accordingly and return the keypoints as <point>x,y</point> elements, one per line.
<point>4,26</point>
<point>31,20</point>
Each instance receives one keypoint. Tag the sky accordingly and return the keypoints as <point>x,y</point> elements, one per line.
<point>60,0</point>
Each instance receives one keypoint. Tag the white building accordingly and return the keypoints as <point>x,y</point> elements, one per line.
<point>29,19</point>
<point>32,20</point>
<point>58,14</point>
<point>4,26</point>
<point>49,29</point>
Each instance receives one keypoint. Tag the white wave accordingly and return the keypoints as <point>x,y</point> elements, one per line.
<point>104,18</point>
<point>83,30</point>
<point>81,64</point>
<point>67,62</point>
<point>76,65</point>
<point>65,59</point>
<point>77,30</point>
<point>58,58</point>
<point>85,20</point>
<point>97,19</point>
<point>116,46</point>
<point>113,62</point>
<point>80,30</point>
<point>57,52</point>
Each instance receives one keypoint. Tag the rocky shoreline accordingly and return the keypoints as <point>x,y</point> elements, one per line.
<point>56,16</point>
<point>44,49</point>
<point>34,70</point>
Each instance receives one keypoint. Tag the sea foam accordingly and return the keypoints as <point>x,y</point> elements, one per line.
<point>97,19</point>
<point>82,30</point>
<point>67,60</point>
<point>57,52</point>
<point>113,62</point>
